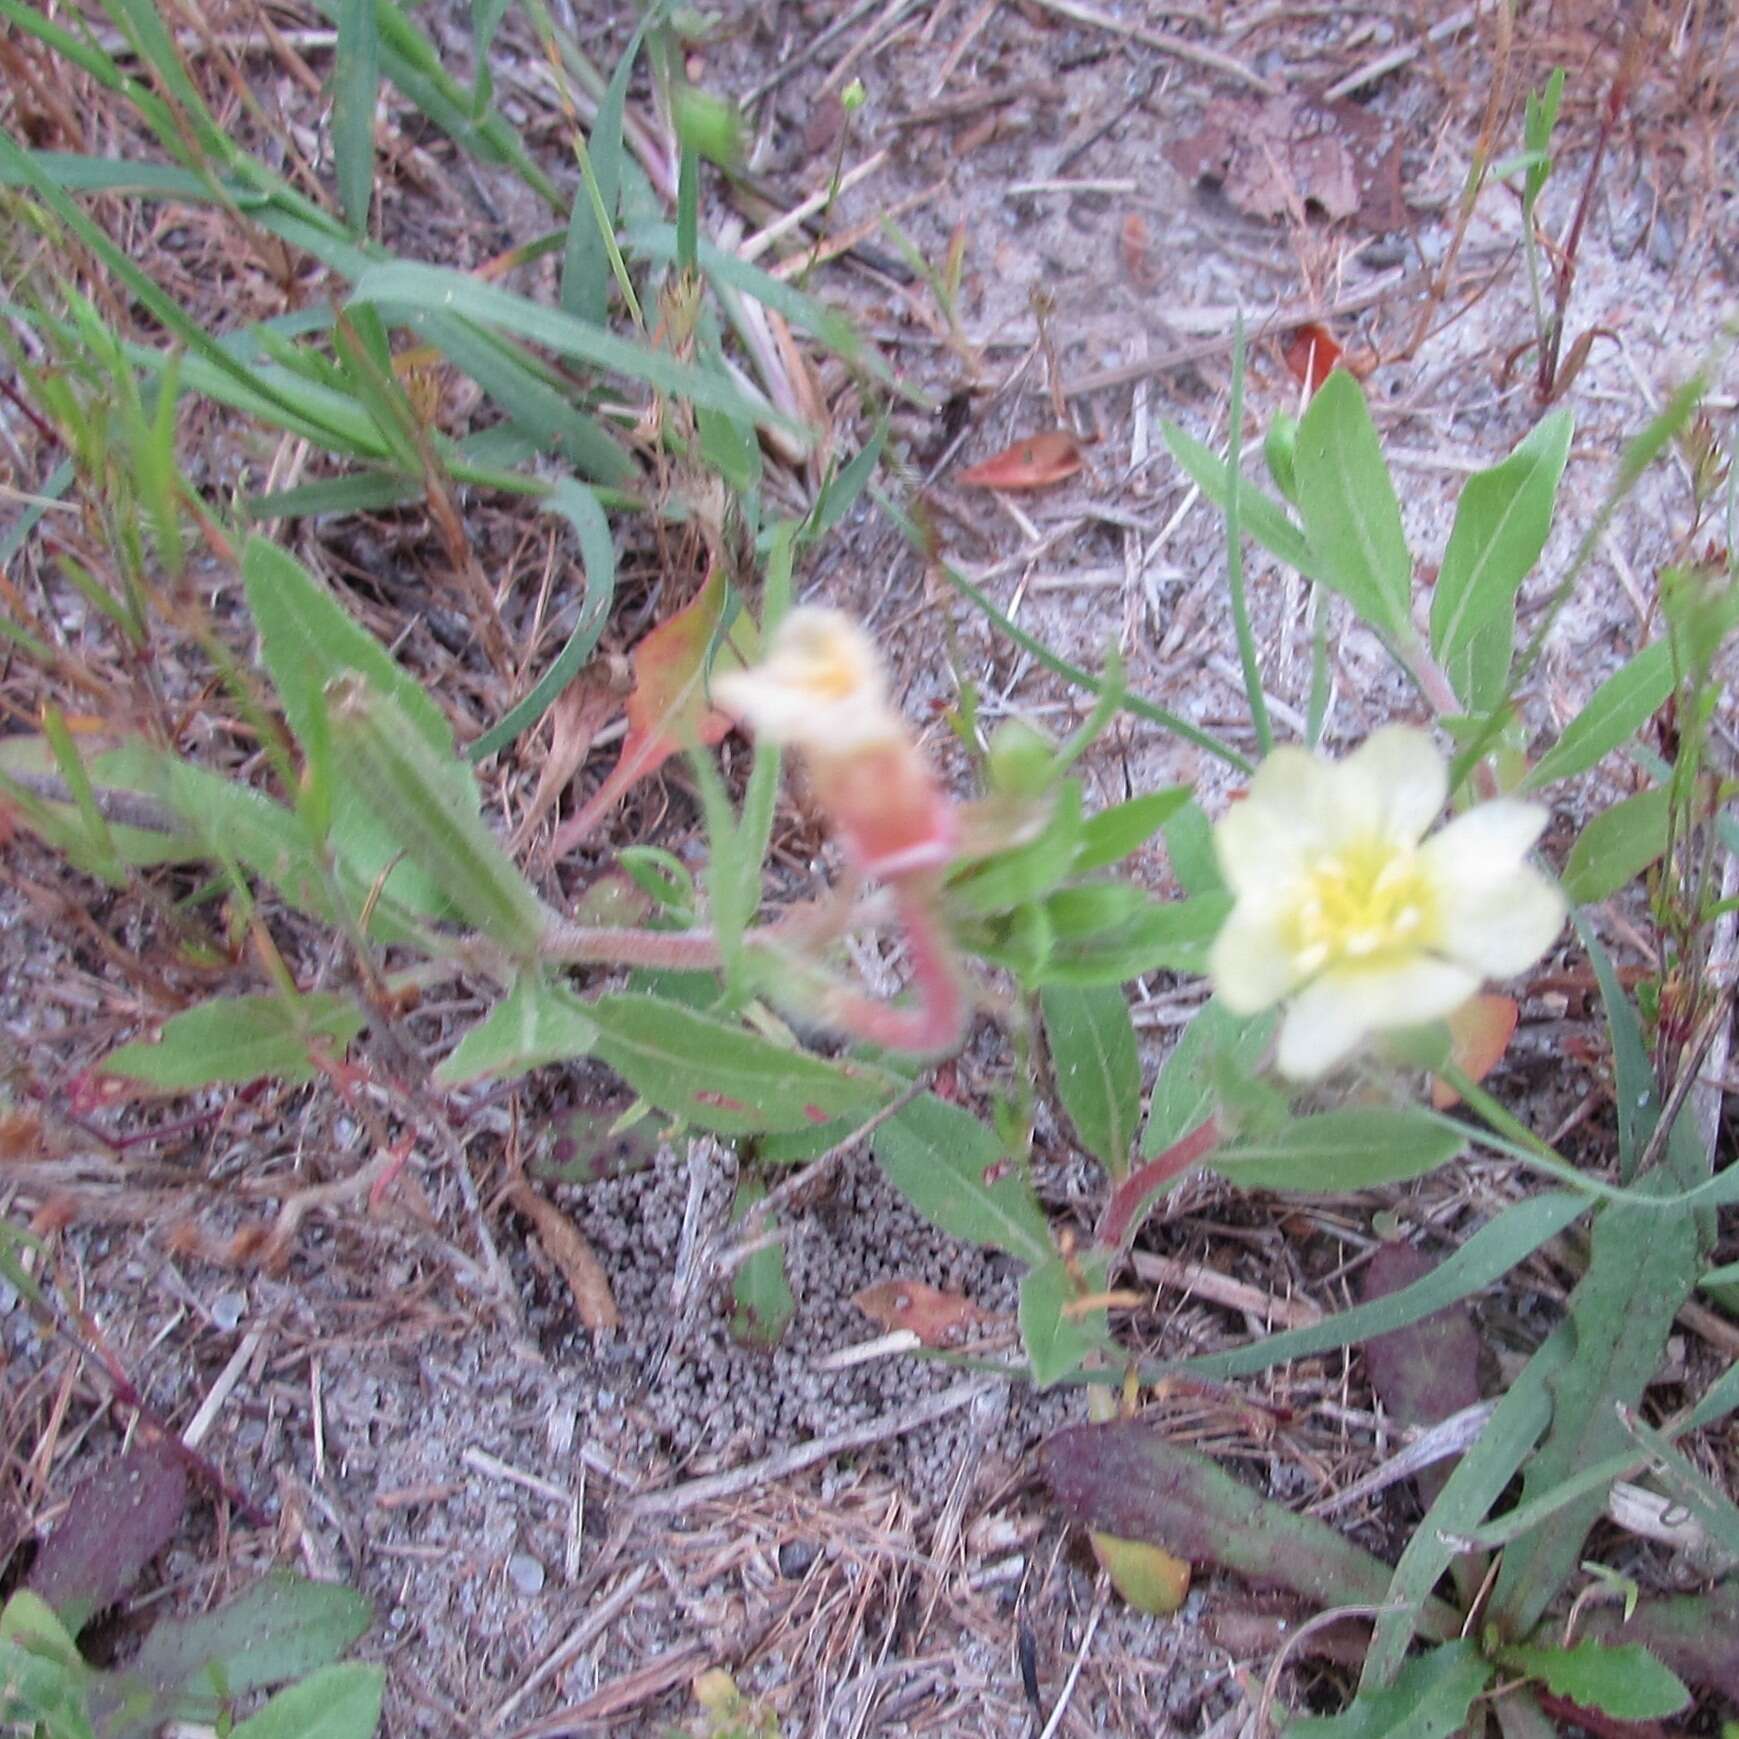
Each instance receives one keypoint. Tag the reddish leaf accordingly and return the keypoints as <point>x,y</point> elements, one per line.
<point>1311,354</point>
<point>1428,1370</point>
<point>667,710</point>
<point>1035,463</point>
<point>1479,1034</point>
<point>937,1318</point>
<point>119,1519</point>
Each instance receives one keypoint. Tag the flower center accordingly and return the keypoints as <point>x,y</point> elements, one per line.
<point>1364,904</point>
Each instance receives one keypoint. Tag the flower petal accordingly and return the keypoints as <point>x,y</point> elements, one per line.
<point>1393,784</point>
<point>1280,822</point>
<point>1250,964</point>
<point>1495,913</point>
<point>1501,927</point>
<point>1335,1012</point>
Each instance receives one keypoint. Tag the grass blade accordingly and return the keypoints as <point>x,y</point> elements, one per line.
<point>355,91</point>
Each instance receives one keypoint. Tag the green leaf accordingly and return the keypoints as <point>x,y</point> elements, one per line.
<point>1097,1068</point>
<point>341,1701</point>
<point>1477,1481</point>
<point>306,641</point>
<point>1026,872</point>
<point>1145,935</point>
<point>1057,1342</point>
<point>1352,518</point>
<point>1618,845</point>
<point>1642,1267</point>
<point>722,1077</point>
<point>537,1022</point>
<point>426,802</point>
<point>235,1039</point>
<point>281,1628</point>
<point>1189,843</point>
<point>42,1677</point>
<point>954,1172</point>
<point>355,90</point>
<point>579,506</point>
<point>1485,1258</point>
<point>1501,522</point>
<point>1340,1150</point>
<point>1113,834</point>
<point>537,407</point>
<point>1262,517</point>
<point>1615,712</point>
<point>586,263</point>
<point>403,289</point>
<point>1636,1093</point>
<point>1625,1682</point>
<point>762,1302</point>
<point>1429,1700</point>
<point>1185,1093</point>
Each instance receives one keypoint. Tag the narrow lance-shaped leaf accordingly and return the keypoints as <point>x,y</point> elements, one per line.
<point>1501,522</point>
<point>235,1039</point>
<point>537,1022</point>
<point>1124,1478</point>
<point>414,791</point>
<point>1618,845</point>
<point>1352,519</point>
<point>954,1171</point>
<point>356,88</point>
<point>1615,712</point>
<point>1097,1068</point>
<point>722,1077</point>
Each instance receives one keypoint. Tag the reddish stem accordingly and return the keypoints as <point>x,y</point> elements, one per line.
<point>935,1020</point>
<point>1130,1198</point>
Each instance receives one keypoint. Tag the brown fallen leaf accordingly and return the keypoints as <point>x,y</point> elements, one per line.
<point>570,1252</point>
<point>1136,244</point>
<point>576,715</point>
<point>1035,463</point>
<point>937,1318</point>
<point>1283,155</point>
<point>1479,1034</point>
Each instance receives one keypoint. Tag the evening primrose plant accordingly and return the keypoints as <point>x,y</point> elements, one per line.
<point>1338,919</point>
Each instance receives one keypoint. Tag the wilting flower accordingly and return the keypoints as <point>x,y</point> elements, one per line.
<point>822,690</point>
<point>1344,906</point>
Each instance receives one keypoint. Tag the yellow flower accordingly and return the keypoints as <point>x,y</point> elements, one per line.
<point>822,690</point>
<point>1343,904</point>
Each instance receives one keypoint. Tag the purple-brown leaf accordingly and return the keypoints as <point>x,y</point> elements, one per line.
<point>119,1519</point>
<point>1428,1370</point>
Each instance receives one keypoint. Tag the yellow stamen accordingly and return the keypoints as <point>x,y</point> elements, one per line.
<point>1364,904</point>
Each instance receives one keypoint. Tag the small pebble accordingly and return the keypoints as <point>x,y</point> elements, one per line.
<point>227,1309</point>
<point>525,1573</point>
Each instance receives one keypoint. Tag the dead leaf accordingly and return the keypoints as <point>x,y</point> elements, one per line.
<point>1479,1034</point>
<point>1279,157</point>
<point>667,710</point>
<point>1136,244</point>
<point>119,1519</point>
<point>937,1318</point>
<point>1311,354</point>
<point>1035,463</point>
<point>577,714</point>
<point>570,1252</point>
<point>1428,1370</point>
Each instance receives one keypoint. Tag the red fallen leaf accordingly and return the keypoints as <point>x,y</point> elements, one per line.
<point>1479,1034</point>
<point>1311,354</point>
<point>937,1318</point>
<point>667,710</point>
<point>1035,463</point>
